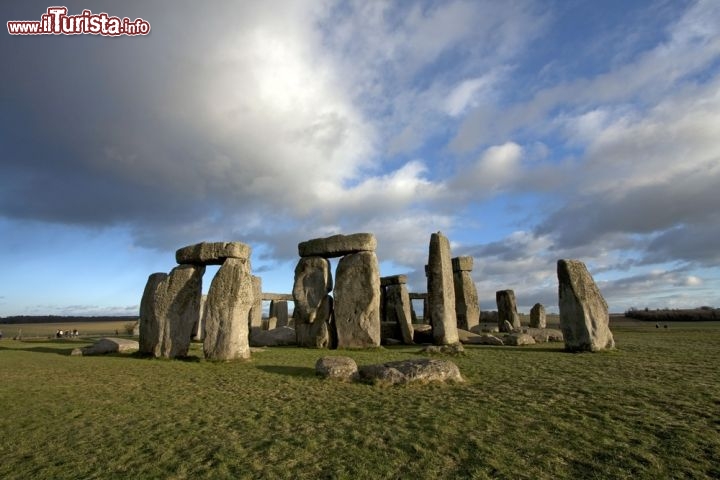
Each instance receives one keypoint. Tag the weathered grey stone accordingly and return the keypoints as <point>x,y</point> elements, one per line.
<point>507,310</point>
<point>279,310</point>
<point>441,291</point>
<point>392,342</point>
<point>151,326</point>
<point>422,333</point>
<point>357,301</point>
<point>198,331</point>
<point>462,264</point>
<point>537,316</point>
<point>338,245</point>
<point>255,313</point>
<point>398,309</point>
<point>277,337</point>
<point>212,253</point>
<point>519,339</point>
<point>228,305</point>
<point>269,323</point>
<point>313,305</point>
<point>109,345</point>
<point>584,318</point>
<point>167,320</point>
<point>467,306</point>
<point>543,335</point>
<point>337,368</point>
<point>484,339</point>
<point>393,280</point>
<point>416,370</point>
<point>464,335</point>
<point>277,296</point>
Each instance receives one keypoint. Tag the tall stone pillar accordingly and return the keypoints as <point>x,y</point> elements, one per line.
<point>313,305</point>
<point>441,291</point>
<point>398,307</point>
<point>230,300</point>
<point>357,301</point>
<point>537,316</point>
<point>279,310</point>
<point>507,311</point>
<point>467,306</point>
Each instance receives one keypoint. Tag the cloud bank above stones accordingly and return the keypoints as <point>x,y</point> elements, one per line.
<point>272,123</point>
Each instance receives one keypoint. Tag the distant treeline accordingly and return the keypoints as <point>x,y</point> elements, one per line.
<point>701,314</point>
<point>61,319</point>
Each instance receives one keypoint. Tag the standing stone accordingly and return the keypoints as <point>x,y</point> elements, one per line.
<point>152,327</point>
<point>584,318</point>
<point>467,306</point>
<point>537,316</point>
<point>357,301</point>
<point>171,313</point>
<point>507,310</point>
<point>199,327</point>
<point>313,305</point>
<point>279,310</point>
<point>230,299</point>
<point>441,291</point>
<point>398,307</point>
<point>255,314</point>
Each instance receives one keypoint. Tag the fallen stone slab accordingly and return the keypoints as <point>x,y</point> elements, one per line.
<point>212,253</point>
<point>338,245</point>
<point>484,339</point>
<point>519,339</point>
<point>337,368</point>
<point>422,333</point>
<point>407,371</point>
<point>453,349</point>
<point>543,335</point>
<point>108,345</point>
<point>277,337</point>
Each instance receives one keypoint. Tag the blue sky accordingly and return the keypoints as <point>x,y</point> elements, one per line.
<point>526,131</point>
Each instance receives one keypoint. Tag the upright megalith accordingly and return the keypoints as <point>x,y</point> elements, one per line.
<point>441,291</point>
<point>255,314</point>
<point>170,310</point>
<point>467,306</point>
<point>313,305</point>
<point>537,316</point>
<point>357,301</point>
<point>152,325</point>
<point>229,301</point>
<point>584,317</point>
<point>398,307</point>
<point>507,311</point>
<point>279,310</point>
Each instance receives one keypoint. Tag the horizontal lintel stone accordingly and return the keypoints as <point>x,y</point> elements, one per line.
<point>212,253</point>
<point>393,280</point>
<point>338,245</point>
<point>462,264</point>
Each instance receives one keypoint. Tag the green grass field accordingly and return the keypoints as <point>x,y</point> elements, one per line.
<point>650,409</point>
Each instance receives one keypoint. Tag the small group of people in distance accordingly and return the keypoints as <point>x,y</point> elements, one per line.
<point>66,334</point>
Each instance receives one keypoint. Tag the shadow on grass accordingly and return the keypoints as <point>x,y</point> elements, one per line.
<point>289,370</point>
<point>58,351</point>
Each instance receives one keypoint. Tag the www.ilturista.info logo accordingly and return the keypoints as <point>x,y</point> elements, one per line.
<point>57,22</point>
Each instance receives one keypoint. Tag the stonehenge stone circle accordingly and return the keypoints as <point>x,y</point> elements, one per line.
<point>398,307</point>
<point>212,253</point>
<point>338,245</point>
<point>313,305</point>
<point>441,291</point>
<point>168,317</point>
<point>537,316</point>
<point>467,306</point>
<point>584,318</point>
<point>507,311</point>
<point>230,299</point>
<point>357,301</point>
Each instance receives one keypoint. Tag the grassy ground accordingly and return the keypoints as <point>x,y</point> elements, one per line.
<point>650,409</point>
<point>35,330</point>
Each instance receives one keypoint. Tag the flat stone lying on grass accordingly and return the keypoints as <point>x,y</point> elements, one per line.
<point>337,368</point>
<point>407,371</point>
<point>543,335</point>
<point>108,345</point>
<point>276,337</point>
<point>484,339</point>
<point>422,333</point>
<point>519,339</point>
